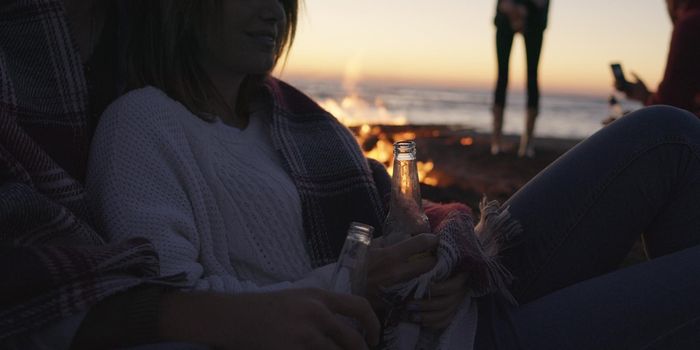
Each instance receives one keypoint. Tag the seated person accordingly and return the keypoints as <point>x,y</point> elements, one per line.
<point>62,285</point>
<point>247,185</point>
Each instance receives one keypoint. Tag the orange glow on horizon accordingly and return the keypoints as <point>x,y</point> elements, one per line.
<point>451,43</point>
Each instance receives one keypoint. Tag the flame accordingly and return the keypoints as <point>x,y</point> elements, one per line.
<point>352,111</point>
<point>383,152</point>
<point>402,136</point>
<point>466,141</point>
<point>424,176</point>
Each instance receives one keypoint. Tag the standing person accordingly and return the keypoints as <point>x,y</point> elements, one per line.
<point>680,86</point>
<point>528,17</point>
<point>63,285</point>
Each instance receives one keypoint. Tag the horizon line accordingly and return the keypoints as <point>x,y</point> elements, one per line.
<point>554,90</point>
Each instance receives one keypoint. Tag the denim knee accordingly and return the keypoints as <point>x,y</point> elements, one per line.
<point>667,119</point>
<point>662,123</point>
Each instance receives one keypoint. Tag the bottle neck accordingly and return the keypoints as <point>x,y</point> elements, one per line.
<point>405,184</point>
<point>406,217</point>
<point>350,274</point>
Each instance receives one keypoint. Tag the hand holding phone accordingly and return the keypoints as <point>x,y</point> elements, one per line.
<point>635,90</point>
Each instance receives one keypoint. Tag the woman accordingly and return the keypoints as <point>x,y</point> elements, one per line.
<point>147,182</point>
<point>246,185</point>
<point>63,287</point>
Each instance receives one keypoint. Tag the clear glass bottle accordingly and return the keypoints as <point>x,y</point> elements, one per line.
<point>350,276</point>
<point>406,217</point>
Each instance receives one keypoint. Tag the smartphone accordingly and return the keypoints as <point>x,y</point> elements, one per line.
<point>619,74</point>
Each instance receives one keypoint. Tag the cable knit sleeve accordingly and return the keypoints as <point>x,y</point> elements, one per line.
<point>143,182</point>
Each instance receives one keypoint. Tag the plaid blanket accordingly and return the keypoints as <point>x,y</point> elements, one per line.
<point>462,248</point>
<point>52,263</point>
<point>336,183</point>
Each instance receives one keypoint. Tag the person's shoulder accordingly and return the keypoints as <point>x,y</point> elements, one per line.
<point>295,104</point>
<point>138,116</point>
<point>290,99</point>
<point>142,108</point>
<point>146,100</point>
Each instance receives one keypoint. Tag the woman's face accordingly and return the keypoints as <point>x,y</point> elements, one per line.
<point>244,37</point>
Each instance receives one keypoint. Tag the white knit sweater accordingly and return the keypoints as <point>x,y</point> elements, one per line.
<point>214,200</point>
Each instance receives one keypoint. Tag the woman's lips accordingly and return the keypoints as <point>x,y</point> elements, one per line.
<point>264,39</point>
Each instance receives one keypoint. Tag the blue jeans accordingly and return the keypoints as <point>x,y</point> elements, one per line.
<point>581,216</point>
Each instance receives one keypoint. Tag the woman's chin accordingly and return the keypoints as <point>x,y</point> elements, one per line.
<point>262,66</point>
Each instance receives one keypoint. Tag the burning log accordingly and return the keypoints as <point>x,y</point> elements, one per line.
<point>376,142</point>
<point>455,163</point>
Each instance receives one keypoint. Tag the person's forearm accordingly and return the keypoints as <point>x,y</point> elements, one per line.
<point>125,319</point>
<point>188,316</point>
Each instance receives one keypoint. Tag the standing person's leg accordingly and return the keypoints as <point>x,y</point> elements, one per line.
<point>533,48</point>
<point>652,305</point>
<point>582,214</point>
<point>504,43</point>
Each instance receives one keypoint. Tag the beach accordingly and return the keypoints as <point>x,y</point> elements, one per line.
<point>464,170</point>
<point>451,127</point>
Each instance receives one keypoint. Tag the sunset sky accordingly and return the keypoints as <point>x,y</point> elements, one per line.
<point>451,42</point>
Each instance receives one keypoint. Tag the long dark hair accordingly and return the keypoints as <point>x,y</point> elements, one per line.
<point>165,37</point>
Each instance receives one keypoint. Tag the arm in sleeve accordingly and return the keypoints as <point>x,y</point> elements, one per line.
<point>141,183</point>
<point>682,77</point>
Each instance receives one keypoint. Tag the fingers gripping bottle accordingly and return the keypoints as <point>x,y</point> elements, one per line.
<point>406,217</point>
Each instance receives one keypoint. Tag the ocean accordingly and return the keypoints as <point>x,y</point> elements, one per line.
<point>561,116</point>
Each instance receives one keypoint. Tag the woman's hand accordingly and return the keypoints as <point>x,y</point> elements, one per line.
<point>401,262</point>
<point>636,90</point>
<point>291,319</point>
<point>440,308</point>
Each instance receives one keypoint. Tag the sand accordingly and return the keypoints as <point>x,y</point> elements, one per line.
<point>463,165</point>
<point>466,173</point>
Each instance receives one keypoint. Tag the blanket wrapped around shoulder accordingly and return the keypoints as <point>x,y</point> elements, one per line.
<point>462,248</point>
<point>52,263</point>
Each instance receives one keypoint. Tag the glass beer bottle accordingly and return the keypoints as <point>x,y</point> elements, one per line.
<point>406,217</point>
<point>350,276</point>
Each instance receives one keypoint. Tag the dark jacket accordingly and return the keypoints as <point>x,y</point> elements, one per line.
<point>681,84</point>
